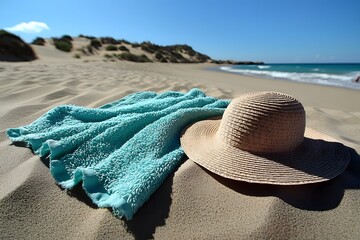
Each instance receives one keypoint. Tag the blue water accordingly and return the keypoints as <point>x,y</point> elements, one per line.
<point>339,75</point>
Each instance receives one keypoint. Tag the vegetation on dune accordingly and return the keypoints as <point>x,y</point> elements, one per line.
<point>13,48</point>
<point>3,32</point>
<point>108,56</point>
<point>149,47</point>
<point>95,43</point>
<point>108,40</point>
<point>160,57</point>
<point>177,57</point>
<point>88,37</point>
<point>124,41</point>
<point>111,48</point>
<point>133,57</point>
<point>174,53</point>
<point>202,58</point>
<point>87,50</point>
<point>172,59</point>
<point>39,41</point>
<point>66,37</point>
<point>135,45</point>
<point>124,49</point>
<point>63,44</point>
<point>196,56</point>
<point>179,53</point>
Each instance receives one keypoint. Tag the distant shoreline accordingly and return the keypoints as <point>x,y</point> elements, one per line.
<point>325,76</point>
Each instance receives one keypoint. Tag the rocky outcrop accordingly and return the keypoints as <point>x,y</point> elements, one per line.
<point>231,62</point>
<point>247,63</point>
<point>14,49</point>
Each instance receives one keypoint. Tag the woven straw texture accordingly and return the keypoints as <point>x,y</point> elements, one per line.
<point>262,138</point>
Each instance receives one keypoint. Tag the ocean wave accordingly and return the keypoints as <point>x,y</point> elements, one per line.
<point>263,67</point>
<point>318,78</point>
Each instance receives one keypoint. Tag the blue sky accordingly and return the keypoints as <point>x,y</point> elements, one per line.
<point>259,30</point>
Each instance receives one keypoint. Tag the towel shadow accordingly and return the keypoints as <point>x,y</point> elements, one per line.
<point>79,193</point>
<point>44,159</point>
<point>153,213</point>
<point>21,144</point>
<point>313,197</point>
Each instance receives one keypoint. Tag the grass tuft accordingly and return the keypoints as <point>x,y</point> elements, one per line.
<point>111,48</point>
<point>123,48</point>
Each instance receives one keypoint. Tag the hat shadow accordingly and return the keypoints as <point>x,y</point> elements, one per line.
<point>321,196</point>
<point>323,151</point>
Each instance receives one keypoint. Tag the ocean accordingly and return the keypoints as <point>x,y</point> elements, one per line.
<point>339,75</point>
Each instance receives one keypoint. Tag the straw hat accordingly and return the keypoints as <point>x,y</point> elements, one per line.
<point>261,138</point>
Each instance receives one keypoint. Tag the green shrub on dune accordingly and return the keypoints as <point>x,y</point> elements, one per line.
<point>173,59</point>
<point>88,37</point>
<point>149,47</point>
<point>95,43</point>
<point>124,41</point>
<point>133,58</point>
<point>123,48</point>
<point>39,41</point>
<point>111,48</point>
<point>179,53</point>
<point>108,40</point>
<point>191,53</point>
<point>90,49</point>
<point>160,57</point>
<point>66,37</point>
<point>177,56</point>
<point>62,44</point>
<point>13,48</point>
<point>135,45</point>
<point>202,57</point>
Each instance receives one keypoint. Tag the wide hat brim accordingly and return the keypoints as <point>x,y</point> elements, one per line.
<point>319,158</point>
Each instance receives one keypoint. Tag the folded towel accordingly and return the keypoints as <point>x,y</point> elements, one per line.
<point>122,151</point>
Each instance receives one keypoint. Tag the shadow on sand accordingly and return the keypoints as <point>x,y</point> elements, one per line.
<point>153,213</point>
<point>313,197</point>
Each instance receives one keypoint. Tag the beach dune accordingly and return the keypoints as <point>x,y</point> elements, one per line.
<point>192,203</point>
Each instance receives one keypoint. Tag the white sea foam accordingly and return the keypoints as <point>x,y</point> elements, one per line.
<point>263,67</point>
<point>318,78</point>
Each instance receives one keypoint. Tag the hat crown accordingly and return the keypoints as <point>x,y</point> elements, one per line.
<point>263,122</point>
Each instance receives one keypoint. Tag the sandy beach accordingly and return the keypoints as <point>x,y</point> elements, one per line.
<point>193,203</point>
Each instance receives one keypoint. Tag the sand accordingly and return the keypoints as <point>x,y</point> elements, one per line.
<point>193,203</point>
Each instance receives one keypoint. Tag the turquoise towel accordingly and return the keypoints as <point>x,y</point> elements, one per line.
<point>122,151</point>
